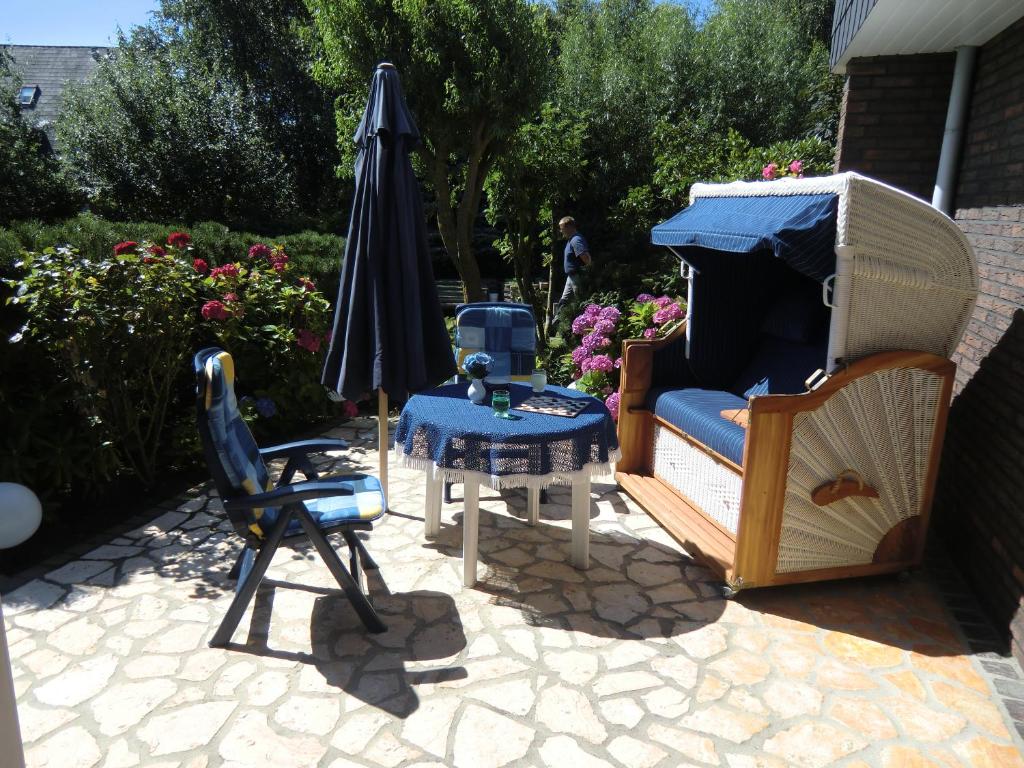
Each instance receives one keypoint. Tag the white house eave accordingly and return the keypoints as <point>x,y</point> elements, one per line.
<point>905,27</point>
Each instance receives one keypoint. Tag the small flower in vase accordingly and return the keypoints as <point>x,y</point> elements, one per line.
<point>477,365</point>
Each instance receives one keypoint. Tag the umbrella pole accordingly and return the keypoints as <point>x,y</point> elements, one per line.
<point>382,439</point>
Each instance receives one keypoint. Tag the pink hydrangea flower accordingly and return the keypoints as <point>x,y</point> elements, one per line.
<point>200,266</point>
<point>260,251</point>
<point>579,355</point>
<point>349,409</point>
<point>650,333</point>
<point>593,311</point>
<point>769,171</point>
<point>231,296</point>
<point>581,325</point>
<point>667,314</point>
<point>618,362</point>
<point>228,270</point>
<point>308,340</point>
<point>215,310</point>
<point>612,404</point>
<point>664,301</point>
<point>611,313</point>
<point>643,298</point>
<point>604,326</point>
<point>796,167</point>
<point>601,363</point>
<point>594,341</point>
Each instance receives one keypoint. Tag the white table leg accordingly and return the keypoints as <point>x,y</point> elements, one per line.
<point>432,517</point>
<point>581,523</point>
<point>470,531</point>
<point>532,506</point>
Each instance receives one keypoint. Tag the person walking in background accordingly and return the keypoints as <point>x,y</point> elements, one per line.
<point>576,259</point>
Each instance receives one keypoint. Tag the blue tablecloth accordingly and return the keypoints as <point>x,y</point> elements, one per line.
<point>443,430</point>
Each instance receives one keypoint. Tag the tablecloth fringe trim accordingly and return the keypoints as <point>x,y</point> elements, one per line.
<point>497,482</point>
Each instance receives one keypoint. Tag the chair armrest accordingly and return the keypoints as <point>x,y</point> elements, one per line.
<point>880,361</point>
<point>302,448</point>
<point>288,494</point>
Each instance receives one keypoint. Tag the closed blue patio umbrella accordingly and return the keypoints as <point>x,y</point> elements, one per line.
<point>389,333</point>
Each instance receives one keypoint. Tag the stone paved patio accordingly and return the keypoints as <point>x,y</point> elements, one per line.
<point>636,662</point>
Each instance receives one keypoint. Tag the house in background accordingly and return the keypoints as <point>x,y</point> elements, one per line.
<point>934,104</point>
<point>43,71</point>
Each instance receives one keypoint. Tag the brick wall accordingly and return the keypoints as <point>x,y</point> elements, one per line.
<point>893,117</point>
<point>979,505</point>
<point>893,121</point>
<point>992,167</point>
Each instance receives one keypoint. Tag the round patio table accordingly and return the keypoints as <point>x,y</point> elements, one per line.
<point>453,440</point>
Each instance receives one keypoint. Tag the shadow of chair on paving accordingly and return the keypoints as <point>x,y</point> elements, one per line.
<point>424,638</point>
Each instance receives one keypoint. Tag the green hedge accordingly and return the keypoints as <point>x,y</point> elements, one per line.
<point>313,253</point>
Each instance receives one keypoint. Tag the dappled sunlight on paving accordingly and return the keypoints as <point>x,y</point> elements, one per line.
<point>636,662</point>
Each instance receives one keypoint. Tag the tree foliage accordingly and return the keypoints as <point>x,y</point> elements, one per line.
<point>34,185</point>
<point>209,112</point>
<point>473,71</point>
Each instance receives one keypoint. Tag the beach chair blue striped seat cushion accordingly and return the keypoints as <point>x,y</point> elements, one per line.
<point>505,331</point>
<point>244,470</point>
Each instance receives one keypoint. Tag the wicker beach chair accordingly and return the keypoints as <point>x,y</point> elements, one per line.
<point>791,429</point>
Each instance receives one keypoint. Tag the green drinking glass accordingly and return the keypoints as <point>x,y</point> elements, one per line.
<point>500,402</point>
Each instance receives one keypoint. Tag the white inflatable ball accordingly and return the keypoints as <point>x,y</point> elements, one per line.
<point>20,514</point>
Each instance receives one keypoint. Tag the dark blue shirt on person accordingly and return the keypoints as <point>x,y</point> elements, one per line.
<point>576,247</point>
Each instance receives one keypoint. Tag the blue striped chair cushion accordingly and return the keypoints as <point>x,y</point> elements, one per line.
<point>365,503</point>
<point>506,332</point>
<point>236,450</point>
<point>697,412</point>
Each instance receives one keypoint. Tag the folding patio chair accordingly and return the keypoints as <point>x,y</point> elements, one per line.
<point>264,513</point>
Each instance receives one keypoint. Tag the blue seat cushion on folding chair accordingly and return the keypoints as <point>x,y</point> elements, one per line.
<point>506,332</point>
<point>779,367</point>
<point>698,413</point>
<point>364,505</point>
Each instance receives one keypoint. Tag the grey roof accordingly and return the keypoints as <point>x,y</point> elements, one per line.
<point>49,67</point>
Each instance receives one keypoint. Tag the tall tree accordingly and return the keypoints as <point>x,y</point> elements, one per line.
<point>158,138</point>
<point>34,185</point>
<point>473,71</point>
<point>527,187</point>
<point>265,47</point>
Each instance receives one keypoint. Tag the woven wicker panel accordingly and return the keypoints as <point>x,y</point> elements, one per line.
<point>880,425</point>
<point>903,255</point>
<point>709,484</point>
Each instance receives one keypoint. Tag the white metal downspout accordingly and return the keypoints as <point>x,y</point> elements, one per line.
<point>956,120</point>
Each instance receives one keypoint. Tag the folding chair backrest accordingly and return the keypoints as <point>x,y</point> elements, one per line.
<point>231,452</point>
<point>505,331</point>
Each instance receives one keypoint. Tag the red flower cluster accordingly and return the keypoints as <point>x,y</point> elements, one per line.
<point>278,260</point>
<point>308,340</point>
<point>307,285</point>
<point>349,409</point>
<point>156,250</point>
<point>215,310</point>
<point>179,239</point>
<point>260,251</point>
<point>200,266</point>
<point>128,246</point>
<point>228,270</point>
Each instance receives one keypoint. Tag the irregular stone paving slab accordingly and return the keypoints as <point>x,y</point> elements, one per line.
<point>636,662</point>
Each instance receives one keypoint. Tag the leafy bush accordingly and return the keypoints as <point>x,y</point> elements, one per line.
<point>314,254</point>
<point>109,339</point>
